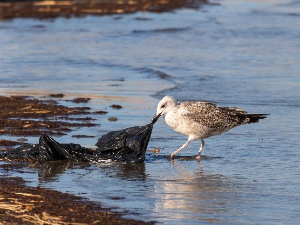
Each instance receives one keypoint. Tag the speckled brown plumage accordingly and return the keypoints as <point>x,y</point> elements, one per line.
<point>199,120</point>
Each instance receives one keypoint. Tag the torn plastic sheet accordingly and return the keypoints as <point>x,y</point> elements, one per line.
<point>127,145</point>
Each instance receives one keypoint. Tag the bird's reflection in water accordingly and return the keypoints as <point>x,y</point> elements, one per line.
<point>195,195</point>
<point>179,190</point>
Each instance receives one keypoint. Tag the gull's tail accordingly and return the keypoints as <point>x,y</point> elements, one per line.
<point>244,116</point>
<point>254,118</point>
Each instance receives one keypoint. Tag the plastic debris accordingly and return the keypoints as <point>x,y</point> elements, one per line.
<point>127,145</point>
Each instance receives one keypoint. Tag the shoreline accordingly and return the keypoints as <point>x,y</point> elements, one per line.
<point>21,204</point>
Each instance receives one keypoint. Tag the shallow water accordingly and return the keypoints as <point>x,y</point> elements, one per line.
<point>238,53</point>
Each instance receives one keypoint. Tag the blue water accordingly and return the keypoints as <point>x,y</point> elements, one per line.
<point>238,53</point>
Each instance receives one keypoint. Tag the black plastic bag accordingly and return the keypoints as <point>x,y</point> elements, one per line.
<point>127,145</point>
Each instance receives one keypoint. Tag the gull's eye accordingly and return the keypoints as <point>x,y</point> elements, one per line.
<point>163,106</point>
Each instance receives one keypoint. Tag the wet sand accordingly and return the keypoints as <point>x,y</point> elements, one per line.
<point>23,115</point>
<point>20,204</point>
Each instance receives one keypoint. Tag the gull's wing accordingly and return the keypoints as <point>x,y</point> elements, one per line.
<point>210,115</point>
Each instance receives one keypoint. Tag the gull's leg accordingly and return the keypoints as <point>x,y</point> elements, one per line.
<point>178,150</point>
<point>200,150</point>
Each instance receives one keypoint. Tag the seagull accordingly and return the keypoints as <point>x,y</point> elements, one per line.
<point>201,119</point>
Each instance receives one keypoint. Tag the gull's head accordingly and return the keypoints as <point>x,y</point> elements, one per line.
<point>165,105</point>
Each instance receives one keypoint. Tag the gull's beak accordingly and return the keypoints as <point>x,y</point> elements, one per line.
<point>155,118</point>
